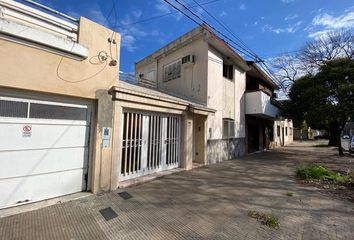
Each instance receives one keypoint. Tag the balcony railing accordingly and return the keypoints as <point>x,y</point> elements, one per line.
<point>127,77</point>
<point>30,16</point>
<point>260,104</point>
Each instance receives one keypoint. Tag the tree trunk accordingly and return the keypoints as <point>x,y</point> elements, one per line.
<point>340,149</point>
<point>340,129</point>
<point>333,134</point>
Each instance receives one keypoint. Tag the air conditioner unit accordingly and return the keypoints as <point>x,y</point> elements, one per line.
<point>187,60</point>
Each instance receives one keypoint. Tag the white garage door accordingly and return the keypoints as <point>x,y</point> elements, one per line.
<point>43,149</point>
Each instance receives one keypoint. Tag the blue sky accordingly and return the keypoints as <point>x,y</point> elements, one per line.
<point>268,27</point>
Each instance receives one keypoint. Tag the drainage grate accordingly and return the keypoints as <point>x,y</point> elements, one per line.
<point>108,213</point>
<point>125,195</point>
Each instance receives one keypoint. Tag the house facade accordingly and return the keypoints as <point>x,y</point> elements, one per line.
<point>56,115</point>
<point>202,68</point>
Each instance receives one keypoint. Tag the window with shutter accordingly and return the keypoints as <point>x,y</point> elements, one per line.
<point>172,71</point>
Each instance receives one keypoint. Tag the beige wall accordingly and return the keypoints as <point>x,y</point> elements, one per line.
<point>34,69</point>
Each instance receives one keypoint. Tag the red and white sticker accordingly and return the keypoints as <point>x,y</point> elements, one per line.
<point>26,130</point>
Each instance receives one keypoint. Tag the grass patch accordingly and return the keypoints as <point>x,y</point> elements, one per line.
<point>320,145</point>
<point>321,173</point>
<point>266,219</point>
<point>289,194</point>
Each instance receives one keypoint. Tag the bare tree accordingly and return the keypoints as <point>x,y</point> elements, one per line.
<point>307,61</point>
<point>327,47</point>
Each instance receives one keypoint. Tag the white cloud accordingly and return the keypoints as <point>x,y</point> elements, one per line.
<point>291,17</point>
<point>329,21</point>
<point>128,41</point>
<point>223,13</point>
<point>137,13</point>
<point>288,29</point>
<point>324,22</point>
<point>132,33</point>
<point>163,8</point>
<point>95,14</point>
<point>242,7</point>
<point>288,1</point>
<point>255,23</point>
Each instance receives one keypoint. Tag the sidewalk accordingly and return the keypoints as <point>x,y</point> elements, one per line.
<point>205,203</point>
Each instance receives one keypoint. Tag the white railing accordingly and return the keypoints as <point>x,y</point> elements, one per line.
<point>127,77</point>
<point>260,104</point>
<point>31,16</point>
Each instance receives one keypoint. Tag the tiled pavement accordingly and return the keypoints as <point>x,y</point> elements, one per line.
<point>205,203</point>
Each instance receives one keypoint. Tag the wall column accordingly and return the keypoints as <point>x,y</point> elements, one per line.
<point>116,144</point>
<point>187,125</point>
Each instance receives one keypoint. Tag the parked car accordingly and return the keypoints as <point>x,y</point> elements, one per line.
<point>345,137</point>
<point>351,145</point>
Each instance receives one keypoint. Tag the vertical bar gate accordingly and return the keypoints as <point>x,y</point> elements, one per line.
<point>150,143</point>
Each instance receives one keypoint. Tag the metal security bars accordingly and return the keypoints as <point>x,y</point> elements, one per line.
<point>150,143</point>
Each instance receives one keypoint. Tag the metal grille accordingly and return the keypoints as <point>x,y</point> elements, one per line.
<point>154,149</point>
<point>46,111</point>
<point>131,143</point>
<point>150,143</point>
<point>13,109</point>
<point>172,141</point>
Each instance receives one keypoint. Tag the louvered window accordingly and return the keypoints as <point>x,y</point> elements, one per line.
<point>172,71</point>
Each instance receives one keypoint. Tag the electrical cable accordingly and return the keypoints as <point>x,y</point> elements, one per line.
<point>205,23</point>
<point>244,51</point>
<point>226,28</point>
<point>163,15</point>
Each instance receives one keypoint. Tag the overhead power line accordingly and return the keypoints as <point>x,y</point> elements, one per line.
<point>226,28</point>
<point>203,24</point>
<point>233,44</point>
<point>163,15</point>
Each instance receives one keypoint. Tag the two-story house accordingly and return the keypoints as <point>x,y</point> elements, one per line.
<point>202,68</point>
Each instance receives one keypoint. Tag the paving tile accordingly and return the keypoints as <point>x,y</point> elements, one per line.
<point>210,202</point>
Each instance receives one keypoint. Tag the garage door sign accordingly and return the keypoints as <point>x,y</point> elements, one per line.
<point>26,130</point>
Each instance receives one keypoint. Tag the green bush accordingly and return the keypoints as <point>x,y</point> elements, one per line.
<point>320,173</point>
<point>266,219</point>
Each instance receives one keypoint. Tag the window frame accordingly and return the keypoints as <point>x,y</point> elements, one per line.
<point>230,126</point>
<point>228,71</point>
<point>178,75</point>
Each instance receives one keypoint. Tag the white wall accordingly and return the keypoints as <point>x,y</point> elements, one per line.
<point>192,84</point>
<point>225,96</point>
<point>283,124</point>
<point>215,94</point>
<point>240,88</point>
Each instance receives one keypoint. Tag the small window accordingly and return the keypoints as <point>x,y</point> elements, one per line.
<point>228,128</point>
<point>172,71</point>
<point>278,131</point>
<point>286,131</point>
<point>228,71</point>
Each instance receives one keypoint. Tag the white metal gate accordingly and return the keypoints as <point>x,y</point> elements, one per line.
<point>150,143</point>
<point>44,148</point>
